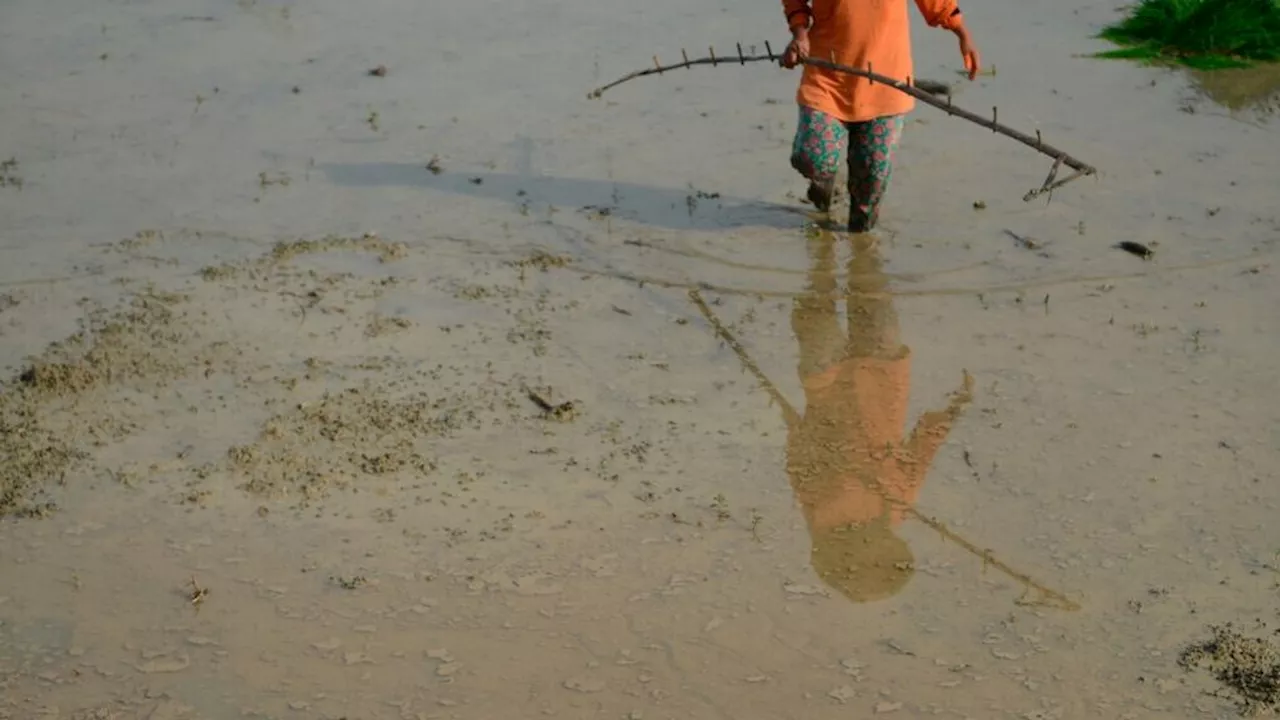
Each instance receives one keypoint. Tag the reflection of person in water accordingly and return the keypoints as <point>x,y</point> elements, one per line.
<point>849,465</point>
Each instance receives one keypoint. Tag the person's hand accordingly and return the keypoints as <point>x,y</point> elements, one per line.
<point>797,49</point>
<point>969,53</point>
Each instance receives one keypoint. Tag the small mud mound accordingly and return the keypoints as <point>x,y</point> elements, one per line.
<point>127,345</point>
<point>331,442</point>
<point>33,457</point>
<point>360,432</point>
<point>131,344</point>
<point>1247,667</point>
<point>306,382</point>
<point>283,252</point>
<point>106,382</point>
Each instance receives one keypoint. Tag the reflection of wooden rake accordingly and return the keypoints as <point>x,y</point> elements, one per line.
<point>922,90</point>
<point>1045,596</point>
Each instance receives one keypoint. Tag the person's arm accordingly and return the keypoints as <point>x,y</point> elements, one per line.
<point>943,14</point>
<point>799,14</point>
<point>930,432</point>
<point>946,14</point>
<point>932,428</point>
<point>799,17</point>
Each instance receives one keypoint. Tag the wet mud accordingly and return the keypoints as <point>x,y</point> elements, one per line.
<point>334,388</point>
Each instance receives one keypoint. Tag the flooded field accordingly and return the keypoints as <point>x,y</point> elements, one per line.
<point>359,366</point>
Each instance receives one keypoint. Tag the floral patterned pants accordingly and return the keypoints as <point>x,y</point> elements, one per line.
<point>816,152</point>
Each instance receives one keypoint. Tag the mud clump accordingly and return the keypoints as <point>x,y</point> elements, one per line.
<point>118,346</point>
<point>1248,667</point>
<point>9,174</point>
<point>130,344</point>
<point>541,261</point>
<point>369,432</point>
<point>57,378</point>
<point>102,385</point>
<point>330,443</point>
<point>283,252</point>
<point>380,325</point>
<point>34,458</point>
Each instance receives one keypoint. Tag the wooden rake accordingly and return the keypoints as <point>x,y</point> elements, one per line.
<point>925,91</point>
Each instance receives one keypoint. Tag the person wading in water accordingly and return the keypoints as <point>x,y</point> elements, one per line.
<point>842,113</point>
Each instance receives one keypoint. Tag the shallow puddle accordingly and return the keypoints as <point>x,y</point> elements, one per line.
<point>445,393</point>
<point>1254,88</point>
<point>276,503</point>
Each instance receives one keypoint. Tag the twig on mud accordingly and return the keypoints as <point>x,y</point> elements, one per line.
<point>558,411</point>
<point>313,298</point>
<point>1136,248</point>
<point>197,594</point>
<point>915,89</point>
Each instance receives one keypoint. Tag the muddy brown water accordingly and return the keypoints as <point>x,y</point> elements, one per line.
<point>275,431</point>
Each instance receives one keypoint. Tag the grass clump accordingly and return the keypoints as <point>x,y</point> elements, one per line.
<point>1202,34</point>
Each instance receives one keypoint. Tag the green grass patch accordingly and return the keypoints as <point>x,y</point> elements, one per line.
<point>1202,34</point>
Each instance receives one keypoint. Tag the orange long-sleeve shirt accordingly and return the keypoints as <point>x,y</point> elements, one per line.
<point>848,458</point>
<point>861,33</point>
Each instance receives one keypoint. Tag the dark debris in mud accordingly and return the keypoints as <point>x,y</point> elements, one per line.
<point>1247,667</point>
<point>53,411</point>
<point>328,423</point>
<point>9,176</point>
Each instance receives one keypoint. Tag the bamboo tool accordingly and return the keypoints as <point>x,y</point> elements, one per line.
<point>1048,596</point>
<point>916,89</point>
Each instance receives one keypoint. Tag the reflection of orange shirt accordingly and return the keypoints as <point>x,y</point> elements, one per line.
<point>849,452</point>
<point>861,33</point>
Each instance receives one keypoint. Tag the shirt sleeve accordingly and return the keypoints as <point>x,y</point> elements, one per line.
<point>930,432</point>
<point>798,13</point>
<point>941,13</point>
